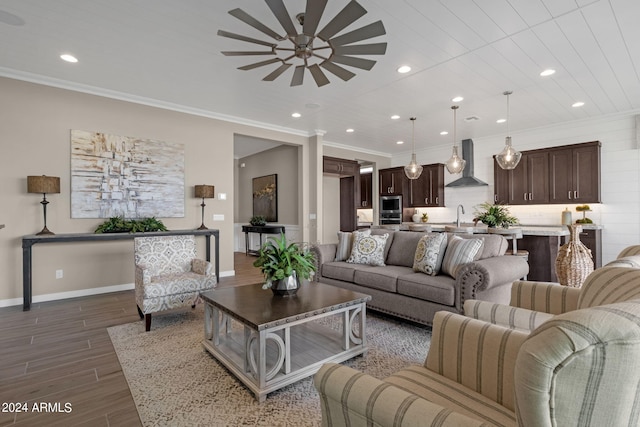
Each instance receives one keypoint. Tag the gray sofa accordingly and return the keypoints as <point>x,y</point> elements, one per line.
<point>398,290</point>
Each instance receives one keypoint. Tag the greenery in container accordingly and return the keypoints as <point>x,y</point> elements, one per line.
<point>494,215</point>
<point>118,224</point>
<point>278,259</point>
<point>258,220</point>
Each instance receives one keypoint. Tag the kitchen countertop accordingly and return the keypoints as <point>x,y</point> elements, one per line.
<point>527,229</point>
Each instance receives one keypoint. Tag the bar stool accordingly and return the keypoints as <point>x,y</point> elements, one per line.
<point>512,234</point>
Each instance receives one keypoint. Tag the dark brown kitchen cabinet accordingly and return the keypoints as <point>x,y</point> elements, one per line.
<point>501,182</point>
<point>392,181</point>
<point>341,167</point>
<point>530,180</point>
<point>575,173</point>
<point>366,193</point>
<point>428,189</point>
<point>592,239</point>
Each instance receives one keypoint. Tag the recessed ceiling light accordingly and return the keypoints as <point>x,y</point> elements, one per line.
<point>404,69</point>
<point>350,130</point>
<point>296,115</point>
<point>444,132</point>
<point>400,142</point>
<point>457,99</point>
<point>547,72</point>
<point>501,120</point>
<point>577,104</point>
<point>69,58</point>
<point>395,117</point>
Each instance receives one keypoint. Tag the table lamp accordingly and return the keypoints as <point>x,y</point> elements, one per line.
<point>43,184</point>
<point>206,192</point>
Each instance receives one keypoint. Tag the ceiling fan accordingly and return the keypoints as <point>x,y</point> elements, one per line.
<point>312,49</point>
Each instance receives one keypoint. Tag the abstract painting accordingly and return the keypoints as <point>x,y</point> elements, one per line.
<point>114,175</point>
<point>265,197</point>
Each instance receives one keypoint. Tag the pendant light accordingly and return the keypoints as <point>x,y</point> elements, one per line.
<point>413,169</point>
<point>455,164</point>
<point>508,158</point>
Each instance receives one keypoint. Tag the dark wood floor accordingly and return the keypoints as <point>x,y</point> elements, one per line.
<point>60,353</point>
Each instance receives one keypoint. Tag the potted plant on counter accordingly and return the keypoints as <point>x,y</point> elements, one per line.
<point>283,265</point>
<point>494,215</point>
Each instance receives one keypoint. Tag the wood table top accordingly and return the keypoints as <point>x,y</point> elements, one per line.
<point>261,309</point>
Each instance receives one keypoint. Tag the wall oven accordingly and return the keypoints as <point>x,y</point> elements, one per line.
<point>390,210</point>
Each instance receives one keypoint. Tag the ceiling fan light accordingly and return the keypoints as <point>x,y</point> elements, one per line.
<point>456,163</point>
<point>508,158</point>
<point>413,170</point>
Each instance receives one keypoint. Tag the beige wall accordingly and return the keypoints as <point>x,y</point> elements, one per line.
<point>283,161</point>
<point>35,125</point>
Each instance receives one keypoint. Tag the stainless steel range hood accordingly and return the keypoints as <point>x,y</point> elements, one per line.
<point>467,180</point>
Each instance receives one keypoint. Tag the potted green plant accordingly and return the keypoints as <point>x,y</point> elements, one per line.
<point>494,215</point>
<point>258,220</point>
<point>118,224</point>
<point>283,265</point>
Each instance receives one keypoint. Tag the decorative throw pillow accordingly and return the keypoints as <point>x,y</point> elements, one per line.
<point>459,251</point>
<point>429,253</point>
<point>368,249</point>
<point>345,243</point>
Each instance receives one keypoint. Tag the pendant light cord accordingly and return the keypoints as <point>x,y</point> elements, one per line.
<point>507,93</point>
<point>413,135</point>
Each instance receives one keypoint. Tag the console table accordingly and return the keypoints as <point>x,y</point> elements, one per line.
<point>260,229</point>
<point>30,240</point>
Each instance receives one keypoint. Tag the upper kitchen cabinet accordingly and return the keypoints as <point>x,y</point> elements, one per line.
<point>366,185</point>
<point>392,181</point>
<point>340,167</point>
<point>428,189</point>
<point>575,173</point>
<point>530,180</point>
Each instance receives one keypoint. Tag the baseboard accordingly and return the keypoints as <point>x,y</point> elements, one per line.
<point>83,292</point>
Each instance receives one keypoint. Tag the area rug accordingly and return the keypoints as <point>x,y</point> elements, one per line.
<point>175,382</point>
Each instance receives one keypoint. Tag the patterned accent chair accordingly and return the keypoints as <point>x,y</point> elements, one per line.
<point>533,303</point>
<point>578,369</point>
<point>168,274</point>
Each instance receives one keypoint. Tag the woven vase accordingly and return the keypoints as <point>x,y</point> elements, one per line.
<point>574,261</point>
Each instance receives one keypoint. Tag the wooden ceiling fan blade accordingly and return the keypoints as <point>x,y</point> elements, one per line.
<point>235,36</point>
<point>259,64</point>
<point>368,31</point>
<point>280,11</point>
<point>320,78</point>
<point>277,72</point>
<point>246,52</point>
<point>298,76</point>
<point>347,16</point>
<point>365,64</point>
<point>361,49</point>
<point>250,20</point>
<point>312,15</point>
<point>343,73</point>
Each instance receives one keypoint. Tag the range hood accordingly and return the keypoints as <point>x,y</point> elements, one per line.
<point>467,180</point>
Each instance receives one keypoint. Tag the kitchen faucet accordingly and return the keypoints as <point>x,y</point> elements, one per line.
<point>458,214</point>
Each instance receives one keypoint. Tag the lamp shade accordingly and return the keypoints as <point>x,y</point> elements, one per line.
<point>205,191</point>
<point>43,184</point>
<point>508,158</point>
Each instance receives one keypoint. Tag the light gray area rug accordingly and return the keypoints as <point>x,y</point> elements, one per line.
<point>175,382</point>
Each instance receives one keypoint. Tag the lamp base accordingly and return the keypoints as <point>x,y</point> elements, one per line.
<point>45,231</point>
<point>202,227</point>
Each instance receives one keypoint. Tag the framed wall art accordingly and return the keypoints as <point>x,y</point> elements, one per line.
<point>113,175</point>
<point>265,197</point>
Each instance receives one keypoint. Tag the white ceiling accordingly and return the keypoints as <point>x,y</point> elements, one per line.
<point>167,51</point>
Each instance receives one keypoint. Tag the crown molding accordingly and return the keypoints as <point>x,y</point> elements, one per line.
<point>356,149</point>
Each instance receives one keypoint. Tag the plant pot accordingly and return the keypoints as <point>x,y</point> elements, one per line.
<point>287,286</point>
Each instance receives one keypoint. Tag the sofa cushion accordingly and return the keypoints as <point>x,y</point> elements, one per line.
<point>345,243</point>
<point>403,248</point>
<point>368,249</point>
<point>492,244</point>
<point>460,251</point>
<point>385,279</point>
<point>340,270</point>
<point>627,261</point>
<point>430,253</point>
<point>380,232</point>
<point>439,289</point>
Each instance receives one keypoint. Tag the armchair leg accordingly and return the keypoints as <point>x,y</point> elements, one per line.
<point>147,322</point>
<point>140,313</point>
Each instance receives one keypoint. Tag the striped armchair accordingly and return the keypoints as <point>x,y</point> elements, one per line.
<point>533,303</point>
<point>168,274</point>
<point>578,369</point>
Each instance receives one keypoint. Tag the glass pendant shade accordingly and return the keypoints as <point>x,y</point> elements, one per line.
<point>413,169</point>
<point>508,158</point>
<point>455,164</point>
